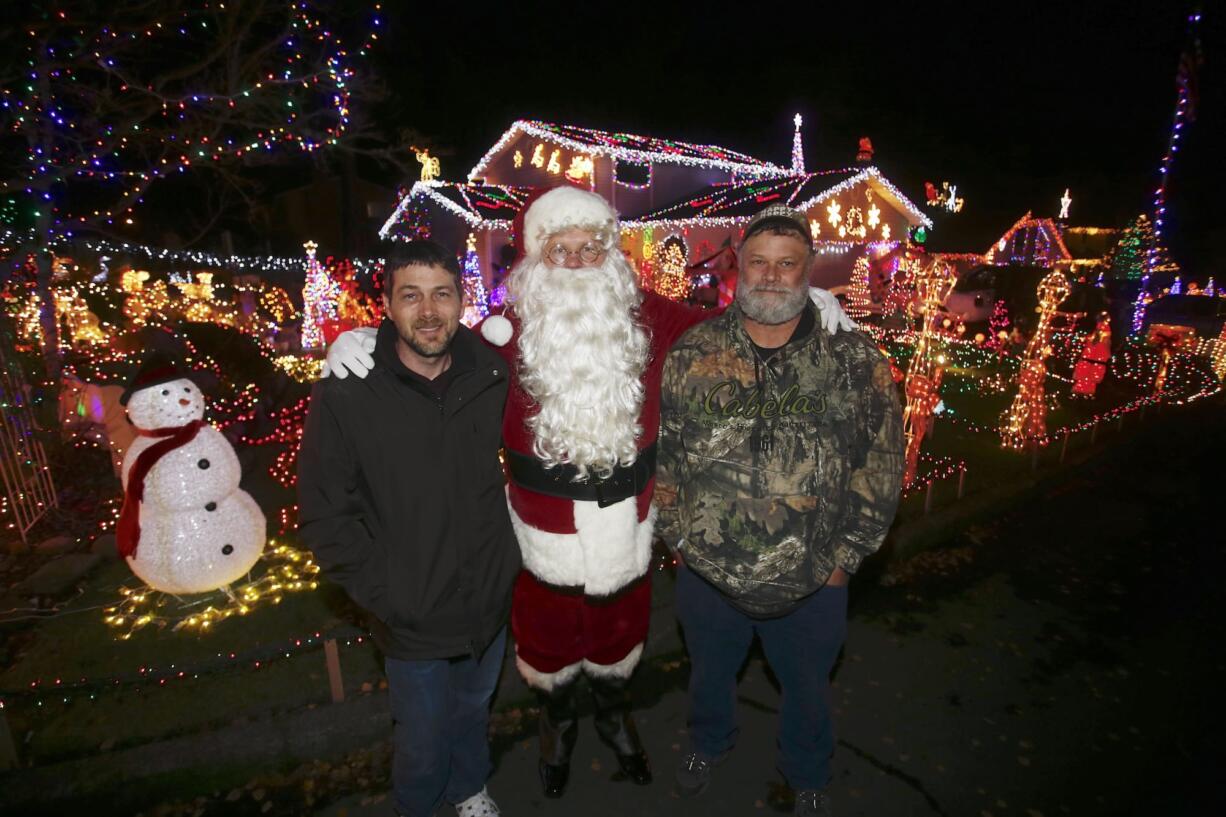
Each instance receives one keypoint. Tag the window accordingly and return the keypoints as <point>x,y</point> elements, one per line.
<point>631,174</point>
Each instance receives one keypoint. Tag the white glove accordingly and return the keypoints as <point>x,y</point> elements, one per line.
<point>351,352</point>
<point>831,314</point>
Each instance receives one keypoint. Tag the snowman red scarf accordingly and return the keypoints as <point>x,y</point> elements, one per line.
<point>127,532</point>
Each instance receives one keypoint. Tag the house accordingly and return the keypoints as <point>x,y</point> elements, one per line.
<point>1046,242</point>
<point>662,188</point>
<point>1011,268</point>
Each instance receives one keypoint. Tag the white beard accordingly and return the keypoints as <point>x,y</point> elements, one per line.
<point>581,358</point>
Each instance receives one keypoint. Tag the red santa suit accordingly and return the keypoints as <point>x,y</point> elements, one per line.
<point>584,597</point>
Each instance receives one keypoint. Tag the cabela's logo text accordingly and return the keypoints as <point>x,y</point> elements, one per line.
<point>747,402</point>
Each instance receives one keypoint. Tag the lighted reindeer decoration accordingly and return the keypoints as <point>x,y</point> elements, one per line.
<point>1026,419</point>
<point>932,285</point>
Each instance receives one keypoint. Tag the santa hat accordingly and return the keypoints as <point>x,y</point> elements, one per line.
<point>156,367</point>
<point>563,208</point>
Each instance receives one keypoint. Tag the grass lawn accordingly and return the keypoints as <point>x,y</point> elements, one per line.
<point>77,645</point>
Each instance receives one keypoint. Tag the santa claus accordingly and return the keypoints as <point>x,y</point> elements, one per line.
<point>586,349</point>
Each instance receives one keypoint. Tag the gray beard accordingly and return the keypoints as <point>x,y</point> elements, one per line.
<point>771,306</point>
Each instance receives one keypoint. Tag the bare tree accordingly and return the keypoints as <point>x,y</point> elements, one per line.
<point>105,100</point>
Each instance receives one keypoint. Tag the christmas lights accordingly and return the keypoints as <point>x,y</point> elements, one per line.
<point>429,165</point>
<point>284,570</point>
<point>671,278</point>
<point>859,299</point>
<point>62,689</point>
<point>320,294</point>
<point>1030,242</point>
<point>798,147</point>
<point>628,147</point>
<point>1189,61</point>
<point>99,79</point>
<point>1025,421</point>
<point>476,305</point>
<point>480,206</point>
<point>733,205</point>
<point>923,380</point>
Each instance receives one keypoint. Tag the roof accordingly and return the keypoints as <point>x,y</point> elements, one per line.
<point>732,204</point>
<point>1090,243</point>
<point>1046,226</point>
<point>630,147</point>
<point>493,205</point>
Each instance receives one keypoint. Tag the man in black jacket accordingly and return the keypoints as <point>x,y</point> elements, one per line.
<point>401,500</point>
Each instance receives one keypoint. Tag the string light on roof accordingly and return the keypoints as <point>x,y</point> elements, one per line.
<point>625,146</point>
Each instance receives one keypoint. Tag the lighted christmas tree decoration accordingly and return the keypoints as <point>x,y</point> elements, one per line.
<point>476,305</point>
<point>1127,260</point>
<point>671,278</point>
<point>798,148</point>
<point>859,297</point>
<point>320,295</point>
<point>933,284</point>
<point>1025,421</point>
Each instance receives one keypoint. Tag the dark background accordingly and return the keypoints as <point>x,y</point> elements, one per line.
<point>1013,103</point>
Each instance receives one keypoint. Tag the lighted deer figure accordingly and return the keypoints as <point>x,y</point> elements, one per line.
<point>923,382</point>
<point>1026,419</point>
<point>429,165</point>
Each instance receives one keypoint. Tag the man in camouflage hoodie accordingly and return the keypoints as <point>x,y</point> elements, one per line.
<point>781,461</point>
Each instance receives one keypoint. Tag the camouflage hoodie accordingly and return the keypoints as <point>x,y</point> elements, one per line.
<point>776,472</point>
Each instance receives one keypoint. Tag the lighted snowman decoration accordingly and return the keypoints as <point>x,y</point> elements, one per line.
<point>185,525</point>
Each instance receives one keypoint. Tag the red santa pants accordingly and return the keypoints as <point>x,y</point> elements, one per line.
<point>555,630</point>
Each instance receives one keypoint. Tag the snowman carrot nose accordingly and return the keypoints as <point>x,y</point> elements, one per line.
<point>183,401</point>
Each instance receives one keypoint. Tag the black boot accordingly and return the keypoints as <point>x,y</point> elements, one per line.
<point>559,728</point>
<point>616,727</point>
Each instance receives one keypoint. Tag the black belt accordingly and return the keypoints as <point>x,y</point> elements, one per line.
<point>626,480</point>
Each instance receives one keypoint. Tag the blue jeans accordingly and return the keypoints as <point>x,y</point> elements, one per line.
<point>801,648</point>
<point>440,726</point>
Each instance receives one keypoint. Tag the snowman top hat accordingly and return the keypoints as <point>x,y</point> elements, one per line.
<point>156,367</point>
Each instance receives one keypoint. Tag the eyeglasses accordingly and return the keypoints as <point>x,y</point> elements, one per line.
<point>589,253</point>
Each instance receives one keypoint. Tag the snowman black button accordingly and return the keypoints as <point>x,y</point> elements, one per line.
<point>212,506</point>
<point>203,464</point>
<point>227,549</point>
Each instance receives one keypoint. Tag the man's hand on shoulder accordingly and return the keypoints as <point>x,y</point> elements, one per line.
<point>351,352</point>
<point>830,312</point>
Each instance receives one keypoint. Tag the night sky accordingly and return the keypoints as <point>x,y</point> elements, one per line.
<point>1013,107</point>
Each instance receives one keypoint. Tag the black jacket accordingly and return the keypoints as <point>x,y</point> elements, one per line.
<point>401,499</point>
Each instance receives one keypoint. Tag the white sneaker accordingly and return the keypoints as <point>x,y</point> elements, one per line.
<point>479,805</point>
